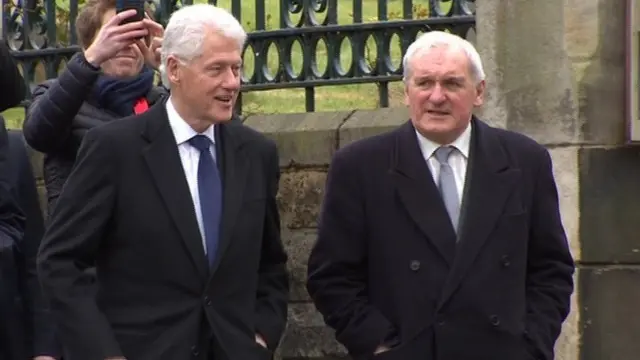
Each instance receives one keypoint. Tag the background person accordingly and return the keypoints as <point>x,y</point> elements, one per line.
<point>111,78</point>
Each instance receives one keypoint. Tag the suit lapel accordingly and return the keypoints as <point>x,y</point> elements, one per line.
<point>235,169</point>
<point>163,159</point>
<point>419,194</point>
<point>490,182</point>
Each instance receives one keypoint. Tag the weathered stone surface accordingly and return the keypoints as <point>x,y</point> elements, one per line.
<point>610,323</point>
<point>599,66</point>
<point>488,19</point>
<point>522,62</point>
<point>582,22</point>
<point>366,123</point>
<point>610,206</point>
<point>306,139</point>
<point>307,337</point>
<point>300,198</point>
<point>298,244</point>
<point>565,169</point>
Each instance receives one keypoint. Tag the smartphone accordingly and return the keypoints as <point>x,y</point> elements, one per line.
<point>137,5</point>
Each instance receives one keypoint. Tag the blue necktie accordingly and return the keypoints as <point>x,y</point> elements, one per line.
<point>210,193</point>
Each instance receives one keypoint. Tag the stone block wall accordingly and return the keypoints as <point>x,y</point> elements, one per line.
<point>556,71</point>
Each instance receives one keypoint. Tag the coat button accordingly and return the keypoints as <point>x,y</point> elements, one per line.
<point>207,301</point>
<point>505,261</point>
<point>495,321</point>
<point>414,265</point>
<point>194,351</point>
<point>440,320</point>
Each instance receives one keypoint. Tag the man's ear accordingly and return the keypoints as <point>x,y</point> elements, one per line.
<point>172,69</point>
<point>480,88</point>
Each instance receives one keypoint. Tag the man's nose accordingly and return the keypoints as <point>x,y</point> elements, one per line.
<point>437,94</point>
<point>231,79</point>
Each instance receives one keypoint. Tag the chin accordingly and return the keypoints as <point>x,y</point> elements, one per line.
<point>219,118</point>
<point>222,115</point>
<point>225,119</point>
<point>128,71</point>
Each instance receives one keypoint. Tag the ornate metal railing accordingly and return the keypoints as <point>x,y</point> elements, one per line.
<point>42,37</point>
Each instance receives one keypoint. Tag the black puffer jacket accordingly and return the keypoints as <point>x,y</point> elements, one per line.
<point>61,114</point>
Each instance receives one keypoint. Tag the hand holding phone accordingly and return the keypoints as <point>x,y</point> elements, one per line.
<point>115,35</point>
<point>151,46</point>
<point>137,5</point>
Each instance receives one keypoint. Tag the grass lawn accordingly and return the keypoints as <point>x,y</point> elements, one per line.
<point>327,98</point>
<point>13,118</point>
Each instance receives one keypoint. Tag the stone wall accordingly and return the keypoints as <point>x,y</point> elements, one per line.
<point>555,72</point>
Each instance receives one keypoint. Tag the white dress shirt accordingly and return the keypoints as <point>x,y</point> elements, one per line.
<point>457,160</point>
<point>189,156</point>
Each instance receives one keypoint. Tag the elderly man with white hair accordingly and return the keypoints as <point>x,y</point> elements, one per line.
<point>442,239</point>
<point>176,207</point>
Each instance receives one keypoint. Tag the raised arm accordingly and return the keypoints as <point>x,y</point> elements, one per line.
<point>56,103</point>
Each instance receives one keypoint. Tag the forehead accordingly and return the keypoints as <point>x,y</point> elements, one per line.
<point>440,61</point>
<point>217,47</point>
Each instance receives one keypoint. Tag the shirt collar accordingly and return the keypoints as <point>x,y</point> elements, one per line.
<point>462,143</point>
<point>181,130</point>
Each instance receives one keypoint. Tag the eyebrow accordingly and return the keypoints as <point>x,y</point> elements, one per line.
<point>223,63</point>
<point>447,77</point>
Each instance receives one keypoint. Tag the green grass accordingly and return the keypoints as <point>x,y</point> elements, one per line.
<point>327,98</point>
<point>13,118</point>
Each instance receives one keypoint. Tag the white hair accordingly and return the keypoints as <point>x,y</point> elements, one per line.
<point>435,39</point>
<point>186,30</point>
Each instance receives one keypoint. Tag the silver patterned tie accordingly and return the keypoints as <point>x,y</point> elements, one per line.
<point>447,185</point>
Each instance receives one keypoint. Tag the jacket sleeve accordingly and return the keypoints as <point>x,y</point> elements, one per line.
<point>550,267</point>
<point>72,240</point>
<point>12,84</point>
<point>55,104</point>
<point>337,270</point>
<point>273,280</point>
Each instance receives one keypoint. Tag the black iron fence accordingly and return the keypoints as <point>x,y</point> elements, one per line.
<point>309,46</point>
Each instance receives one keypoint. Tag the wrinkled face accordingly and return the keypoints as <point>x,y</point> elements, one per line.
<point>441,93</point>
<point>128,62</point>
<point>208,85</point>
